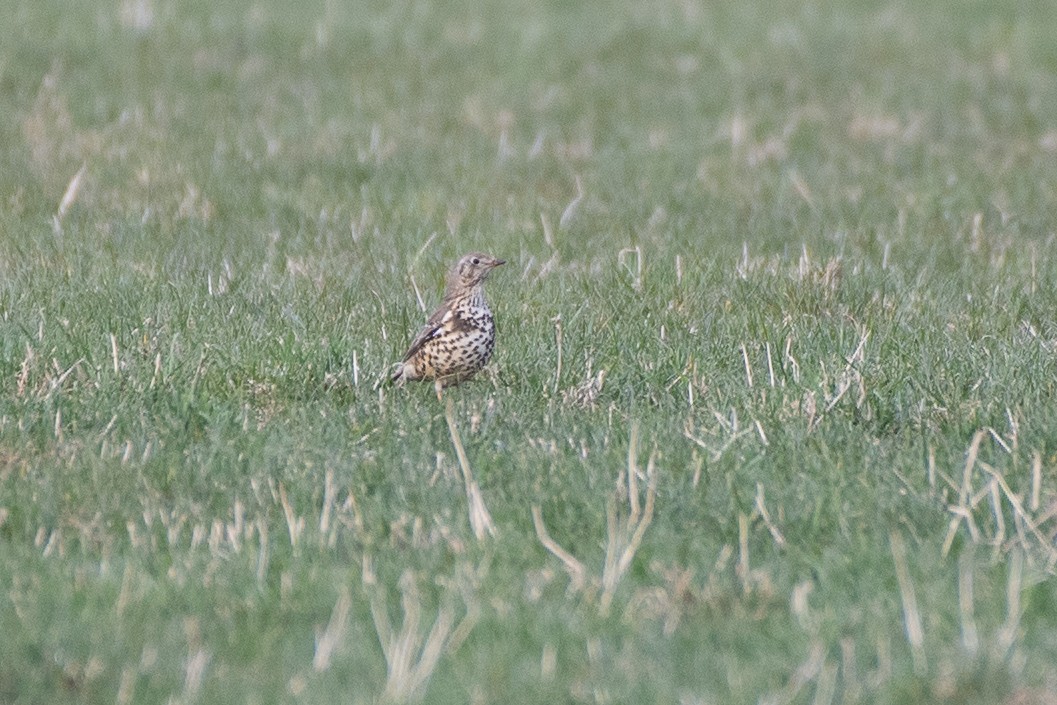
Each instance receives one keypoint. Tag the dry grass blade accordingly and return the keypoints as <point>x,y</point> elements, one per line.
<point>1007,635</point>
<point>761,509</point>
<point>963,510</point>
<point>636,273</point>
<point>334,633</point>
<point>480,518</point>
<point>418,294</point>
<point>970,636</point>
<point>638,524</point>
<point>715,454</point>
<point>633,473</point>
<point>574,205</point>
<point>742,569</point>
<point>548,232</point>
<point>557,344</point>
<point>748,367</point>
<point>294,524</point>
<point>1036,480</point>
<point>1027,528</point>
<point>623,536</point>
<point>999,537</point>
<point>851,376</point>
<point>1018,508</point>
<point>328,502</point>
<point>576,570</point>
<point>114,354</point>
<point>69,197</point>
<point>410,656</point>
<point>911,614</point>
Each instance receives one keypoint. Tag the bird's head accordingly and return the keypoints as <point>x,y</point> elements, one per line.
<point>471,270</point>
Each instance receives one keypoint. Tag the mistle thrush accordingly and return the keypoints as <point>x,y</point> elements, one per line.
<point>458,339</point>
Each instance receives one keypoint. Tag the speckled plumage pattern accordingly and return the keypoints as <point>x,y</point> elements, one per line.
<point>459,337</point>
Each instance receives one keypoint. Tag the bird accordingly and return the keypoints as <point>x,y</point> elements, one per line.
<point>458,339</point>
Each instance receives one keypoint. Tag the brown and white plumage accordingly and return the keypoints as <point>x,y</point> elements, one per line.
<point>458,339</point>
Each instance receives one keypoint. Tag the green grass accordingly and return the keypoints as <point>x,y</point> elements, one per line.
<point>809,282</point>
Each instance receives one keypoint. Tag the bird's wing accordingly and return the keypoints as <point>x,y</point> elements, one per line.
<point>437,324</point>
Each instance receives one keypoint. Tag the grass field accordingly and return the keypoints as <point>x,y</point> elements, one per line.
<point>772,415</point>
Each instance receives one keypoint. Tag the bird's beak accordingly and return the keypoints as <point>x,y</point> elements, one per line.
<point>498,262</point>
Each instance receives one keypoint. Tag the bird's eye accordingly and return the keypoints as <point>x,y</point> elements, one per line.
<point>475,260</point>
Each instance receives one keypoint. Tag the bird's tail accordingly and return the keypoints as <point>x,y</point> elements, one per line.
<point>397,375</point>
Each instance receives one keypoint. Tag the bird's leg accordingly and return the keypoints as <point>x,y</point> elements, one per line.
<point>438,385</point>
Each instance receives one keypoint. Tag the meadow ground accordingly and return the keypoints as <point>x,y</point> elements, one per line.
<point>772,417</point>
